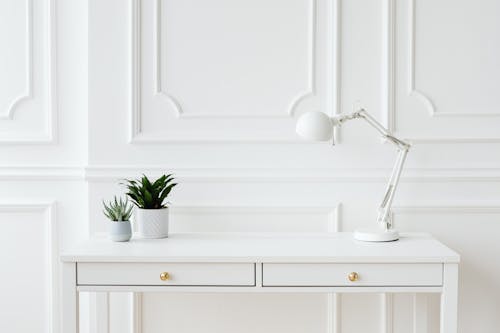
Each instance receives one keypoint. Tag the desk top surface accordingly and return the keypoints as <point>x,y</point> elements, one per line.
<point>263,247</point>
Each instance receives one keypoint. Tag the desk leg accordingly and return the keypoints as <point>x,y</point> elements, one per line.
<point>449,299</point>
<point>69,302</point>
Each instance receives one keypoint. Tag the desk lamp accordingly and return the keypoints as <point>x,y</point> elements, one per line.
<point>317,126</point>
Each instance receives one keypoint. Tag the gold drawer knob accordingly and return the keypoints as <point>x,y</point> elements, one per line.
<point>353,276</point>
<point>164,276</point>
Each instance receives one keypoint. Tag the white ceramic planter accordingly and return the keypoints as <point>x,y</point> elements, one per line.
<point>119,231</point>
<point>152,223</point>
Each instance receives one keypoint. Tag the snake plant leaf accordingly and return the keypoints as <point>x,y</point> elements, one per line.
<point>166,192</point>
<point>160,181</point>
<point>148,199</point>
<point>150,194</point>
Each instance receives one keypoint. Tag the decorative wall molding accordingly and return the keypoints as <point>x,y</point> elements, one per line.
<point>388,91</point>
<point>420,304</point>
<point>334,313</point>
<point>27,93</point>
<point>137,135</point>
<point>52,260</point>
<point>310,91</point>
<point>387,306</point>
<point>49,136</point>
<point>136,310</point>
<point>100,312</point>
<point>420,309</point>
<point>333,68</point>
<point>52,74</point>
<point>413,90</point>
<point>454,140</point>
<point>432,175</point>
<point>388,64</point>
<point>135,71</point>
<point>159,86</point>
<point>109,173</point>
<point>447,208</point>
<point>42,173</point>
<point>334,300</point>
<point>419,312</point>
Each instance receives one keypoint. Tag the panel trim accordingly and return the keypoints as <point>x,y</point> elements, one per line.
<point>388,65</point>
<point>106,173</point>
<point>135,70</point>
<point>387,306</point>
<point>412,90</point>
<point>420,302</point>
<point>432,175</point>
<point>447,209</point>
<point>311,65</point>
<point>136,310</point>
<point>136,135</point>
<point>420,310</point>
<point>41,172</point>
<point>334,300</point>
<point>50,135</point>
<point>334,313</point>
<point>49,210</point>
<point>100,312</point>
<point>388,92</point>
<point>28,90</point>
<point>159,87</point>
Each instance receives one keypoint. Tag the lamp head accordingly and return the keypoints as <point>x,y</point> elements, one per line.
<point>315,126</point>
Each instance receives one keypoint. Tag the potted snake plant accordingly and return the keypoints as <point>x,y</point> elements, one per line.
<point>118,212</point>
<point>150,199</point>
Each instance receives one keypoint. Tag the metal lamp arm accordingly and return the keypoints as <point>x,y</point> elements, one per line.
<point>384,214</point>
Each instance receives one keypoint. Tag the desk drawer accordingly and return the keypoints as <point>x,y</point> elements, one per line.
<point>179,274</point>
<point>316,275</point>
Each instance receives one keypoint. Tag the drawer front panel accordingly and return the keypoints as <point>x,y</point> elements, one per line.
<point>178,274</point>
<point>317,275</point>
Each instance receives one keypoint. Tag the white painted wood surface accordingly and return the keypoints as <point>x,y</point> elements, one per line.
<point>217,273</point>
<point>70,311</point>
<point>449,299</point>
<point>180,274</point>
<point>304,274</point>
<point>263,247</point>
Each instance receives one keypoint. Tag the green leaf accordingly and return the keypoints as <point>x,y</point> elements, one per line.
<point>166,192</point>
<point>117,210</point>
<point>149,194</point>
<point>148,199</point>
<point>145,182</point>
<point>160,181</point>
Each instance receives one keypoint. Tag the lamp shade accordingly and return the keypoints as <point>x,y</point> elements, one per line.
<point>315,126</point>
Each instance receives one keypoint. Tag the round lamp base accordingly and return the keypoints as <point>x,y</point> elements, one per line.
<point>376,235</point>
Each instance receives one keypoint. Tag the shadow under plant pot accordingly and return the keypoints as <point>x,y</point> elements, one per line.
<point>152,223</point>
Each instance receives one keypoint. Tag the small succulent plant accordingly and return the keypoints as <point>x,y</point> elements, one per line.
<point>118,210</point>
<point>146,194</point>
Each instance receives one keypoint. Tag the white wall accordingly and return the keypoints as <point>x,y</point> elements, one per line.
<point>43,147</point>
<point>210,90</point>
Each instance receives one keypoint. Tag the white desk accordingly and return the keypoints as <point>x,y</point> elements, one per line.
<point>262,263</point>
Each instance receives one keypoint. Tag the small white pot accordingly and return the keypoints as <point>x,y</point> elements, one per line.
<point>152,223</point>
<point>119,231</point>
